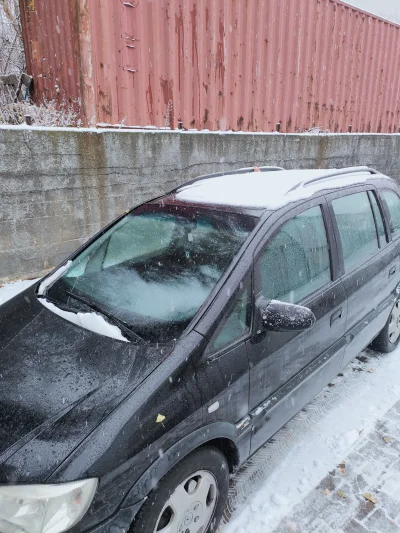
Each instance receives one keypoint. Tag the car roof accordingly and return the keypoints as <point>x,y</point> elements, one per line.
<point>269,188</point>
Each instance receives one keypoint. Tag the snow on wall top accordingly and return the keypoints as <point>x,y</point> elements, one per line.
<point>112,129</point>
<point>264,190</point>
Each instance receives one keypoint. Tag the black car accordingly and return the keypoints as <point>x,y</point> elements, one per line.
<point>149,366</point>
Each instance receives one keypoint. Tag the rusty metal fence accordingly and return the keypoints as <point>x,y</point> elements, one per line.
<point>217,64</point>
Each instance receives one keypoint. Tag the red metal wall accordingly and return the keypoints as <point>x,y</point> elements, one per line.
<point>51,39</point>
<point>221,64</point>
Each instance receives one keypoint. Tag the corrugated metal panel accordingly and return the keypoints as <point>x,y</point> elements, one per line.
<point>225,64</point>
<point>51,38</point>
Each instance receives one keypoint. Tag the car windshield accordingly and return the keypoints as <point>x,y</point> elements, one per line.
<point>154,268</point>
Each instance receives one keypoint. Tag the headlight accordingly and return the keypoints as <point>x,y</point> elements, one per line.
<point>44,508</point>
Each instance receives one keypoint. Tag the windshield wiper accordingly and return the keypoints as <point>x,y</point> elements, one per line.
<point>122,326</point>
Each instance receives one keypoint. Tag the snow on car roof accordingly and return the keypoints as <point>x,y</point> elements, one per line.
<point>266,190</point>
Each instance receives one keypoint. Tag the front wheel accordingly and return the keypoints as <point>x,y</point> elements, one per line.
<point>189,499</point>
<point>389,337</point>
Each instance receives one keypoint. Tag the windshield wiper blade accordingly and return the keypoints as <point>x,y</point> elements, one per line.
<point>122,326</point>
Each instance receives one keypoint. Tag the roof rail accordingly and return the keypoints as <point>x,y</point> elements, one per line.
<point>334,174</point>
<point>255,169</point>
<point>229,172</point>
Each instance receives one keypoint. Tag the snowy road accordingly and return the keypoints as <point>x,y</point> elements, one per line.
<point>341,419</point>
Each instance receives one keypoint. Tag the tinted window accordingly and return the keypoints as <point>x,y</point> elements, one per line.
<point>378,219</point>
<point>236,322</point>
<point>296,261</point>
<point>155,268</point>
<point>356,228</point>
<point>393,203</point>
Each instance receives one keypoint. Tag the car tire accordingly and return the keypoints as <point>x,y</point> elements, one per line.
<point>389,338</point>
<point>193,493</point>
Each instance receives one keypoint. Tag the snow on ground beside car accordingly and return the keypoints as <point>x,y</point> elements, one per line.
<point>282,473</point>
<point>11,289</point>
<point>302,453</point>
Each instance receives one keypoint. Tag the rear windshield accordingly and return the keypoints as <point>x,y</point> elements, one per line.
<point>155,267</point>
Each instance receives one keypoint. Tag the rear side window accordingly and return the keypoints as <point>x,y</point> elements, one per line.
<point>296,262</point>
<point>378,219</point>
<point>393,203</point>
<point>356,228</point>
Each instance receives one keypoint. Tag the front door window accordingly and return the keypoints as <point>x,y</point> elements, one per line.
<point>296,261</point>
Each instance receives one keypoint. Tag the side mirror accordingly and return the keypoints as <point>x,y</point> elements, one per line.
<point>282,316</point>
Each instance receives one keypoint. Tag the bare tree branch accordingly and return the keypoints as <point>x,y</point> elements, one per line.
<point>12,57</point>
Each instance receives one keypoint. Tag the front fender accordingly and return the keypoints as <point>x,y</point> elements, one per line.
<point>168,459</point>
<point>124,516</point>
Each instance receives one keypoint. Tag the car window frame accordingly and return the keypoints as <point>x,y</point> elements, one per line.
<point>219,352</point>
<point>286,216</point>
<point>383,217</point>
<point>386,210</point>
<point>340,194</point>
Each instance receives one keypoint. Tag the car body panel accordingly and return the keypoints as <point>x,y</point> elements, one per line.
<point>276,358</point>
<point>137,440</point>
<point>279,358</point>
<point>58,382</point>
<point>78,405</point>
<point>370,289</point>
<point>287,401</point>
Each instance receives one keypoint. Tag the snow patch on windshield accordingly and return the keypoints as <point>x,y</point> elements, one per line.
<point>51,279</point>
<point>91,321</point>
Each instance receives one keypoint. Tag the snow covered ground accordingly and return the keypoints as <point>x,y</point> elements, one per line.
<point>312,444</point>
<point>11,289</point>
<point>342,418</point>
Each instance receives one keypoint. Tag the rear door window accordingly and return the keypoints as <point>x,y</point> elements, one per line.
<point>357,229</point>
<point>296,261</point>
<point>393,204</point>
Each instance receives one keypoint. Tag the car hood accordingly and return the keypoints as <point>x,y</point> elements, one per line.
<point>57,382</point>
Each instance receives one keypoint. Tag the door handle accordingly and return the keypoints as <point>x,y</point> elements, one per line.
<point>336,315</point>
<point>392,271</point>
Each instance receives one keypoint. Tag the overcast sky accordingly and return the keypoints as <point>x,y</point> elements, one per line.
<point>388,9</point>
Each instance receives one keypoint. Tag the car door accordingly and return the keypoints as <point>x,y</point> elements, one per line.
<point>223,372</point>
<point>369,263</point>
<point>296,263</point>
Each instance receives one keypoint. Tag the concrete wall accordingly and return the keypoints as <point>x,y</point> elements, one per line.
<point>58,187</point>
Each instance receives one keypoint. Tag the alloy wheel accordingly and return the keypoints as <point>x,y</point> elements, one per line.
<point>191,506</point>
